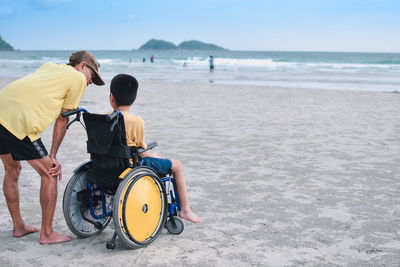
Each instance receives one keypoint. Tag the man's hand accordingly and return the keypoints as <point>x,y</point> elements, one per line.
<point>56,169</point>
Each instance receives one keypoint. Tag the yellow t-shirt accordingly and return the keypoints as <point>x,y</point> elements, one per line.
<point>134,128</point>
<point>29,105</point>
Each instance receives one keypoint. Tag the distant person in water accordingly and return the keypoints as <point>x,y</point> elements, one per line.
<point>144,60</point>
<point>211,61</point>
<point>152,58</point>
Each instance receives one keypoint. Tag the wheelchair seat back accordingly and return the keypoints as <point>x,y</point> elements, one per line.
<point>108,150</point>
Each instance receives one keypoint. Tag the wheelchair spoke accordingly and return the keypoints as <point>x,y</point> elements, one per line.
<point>75,220</point>
<point>74,201</point>
<point>82,184</point>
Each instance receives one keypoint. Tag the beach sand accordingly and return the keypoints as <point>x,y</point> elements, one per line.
<point>280,176</point>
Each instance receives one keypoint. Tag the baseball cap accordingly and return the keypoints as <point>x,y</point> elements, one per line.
<point>91,62</point>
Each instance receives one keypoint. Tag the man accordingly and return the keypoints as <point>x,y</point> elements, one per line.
<point>27,107</point>
<point>211,63</point>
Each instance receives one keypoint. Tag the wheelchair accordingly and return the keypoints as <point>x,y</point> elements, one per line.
<point>113,186</point>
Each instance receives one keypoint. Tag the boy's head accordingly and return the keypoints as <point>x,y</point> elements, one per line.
<point>124,89</point>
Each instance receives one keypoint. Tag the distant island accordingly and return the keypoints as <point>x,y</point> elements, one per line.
<point>188,45</point>
<point>4,45</point>
<point>197,45</point>
<point>158,45</point>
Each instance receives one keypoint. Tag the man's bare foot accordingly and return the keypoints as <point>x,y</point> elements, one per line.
<point>54,238</point>
<point>190,216</point>
<point>25,230</point>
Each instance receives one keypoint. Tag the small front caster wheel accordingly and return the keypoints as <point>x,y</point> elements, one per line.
<point>110,245</point>
<point>174,229</point>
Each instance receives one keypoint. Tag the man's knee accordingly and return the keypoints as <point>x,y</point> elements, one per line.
<point>44,174</point>
<point>47,180</point>
<point>42,167</point>
<point>13,170</point>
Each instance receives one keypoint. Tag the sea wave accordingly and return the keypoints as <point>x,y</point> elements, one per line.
<point>318,70</point>
<point>195,62</point>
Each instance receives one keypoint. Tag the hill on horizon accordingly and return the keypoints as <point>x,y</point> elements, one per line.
<point>4,45</point>
<point>197,45</point>
<point>188,45</point>
<point>158,45</point>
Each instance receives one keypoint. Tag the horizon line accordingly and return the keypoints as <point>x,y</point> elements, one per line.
<point>294,51</point>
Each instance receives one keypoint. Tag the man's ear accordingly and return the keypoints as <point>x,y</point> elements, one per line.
<point>80,66</point>
<point>83,64</point>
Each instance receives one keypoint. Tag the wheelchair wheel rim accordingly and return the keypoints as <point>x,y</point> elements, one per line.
<point>142,208</point>
<point>125,228</point>
<point>71,210</point>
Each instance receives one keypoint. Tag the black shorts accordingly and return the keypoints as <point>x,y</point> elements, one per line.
<point>20,149</point>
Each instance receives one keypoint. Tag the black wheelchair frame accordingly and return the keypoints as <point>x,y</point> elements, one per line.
<point>82,197</point>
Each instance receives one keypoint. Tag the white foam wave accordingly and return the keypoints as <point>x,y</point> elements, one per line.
<point>261,71</point>
<point>350,66</point>
<point>269,64</point>
<point>234,62</point>
<point>227,63</point>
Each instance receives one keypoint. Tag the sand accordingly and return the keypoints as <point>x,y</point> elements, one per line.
<point>280,177</point>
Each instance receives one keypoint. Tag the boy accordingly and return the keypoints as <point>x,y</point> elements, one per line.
<point>123,90</point>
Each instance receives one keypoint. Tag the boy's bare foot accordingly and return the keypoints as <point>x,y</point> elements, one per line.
<point>189,215</point>
<point>25,230</point>
<point>54,238</point>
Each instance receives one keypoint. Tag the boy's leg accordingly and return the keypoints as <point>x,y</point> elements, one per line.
<point>185,213</point>
<point>12,170</point>
<point>48,199</point>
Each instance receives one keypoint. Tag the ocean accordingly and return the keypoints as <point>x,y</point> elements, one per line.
<point>321,70</point>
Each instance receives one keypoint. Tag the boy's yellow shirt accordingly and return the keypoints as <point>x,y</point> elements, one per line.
<point>134,129</point>
<point>29,105</point>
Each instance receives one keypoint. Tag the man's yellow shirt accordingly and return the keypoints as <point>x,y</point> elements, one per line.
<point>30,104</point>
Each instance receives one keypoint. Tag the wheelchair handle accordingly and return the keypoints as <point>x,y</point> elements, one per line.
<point>74,111</point>
<point>112,115</point>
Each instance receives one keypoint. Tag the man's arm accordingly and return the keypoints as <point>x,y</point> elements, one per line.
<point>59,129</point>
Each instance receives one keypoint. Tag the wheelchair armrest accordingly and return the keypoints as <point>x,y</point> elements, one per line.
<point>149,146</point>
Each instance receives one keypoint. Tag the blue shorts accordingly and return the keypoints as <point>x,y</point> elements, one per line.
<point>161,166</point>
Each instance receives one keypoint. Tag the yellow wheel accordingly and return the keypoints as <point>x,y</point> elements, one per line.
<point>140,208</point>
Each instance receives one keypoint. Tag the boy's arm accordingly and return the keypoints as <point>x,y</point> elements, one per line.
<point>146,154</point>
<point>135,130</point>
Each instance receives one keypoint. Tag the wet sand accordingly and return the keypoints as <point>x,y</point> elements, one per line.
<point>280,176</point>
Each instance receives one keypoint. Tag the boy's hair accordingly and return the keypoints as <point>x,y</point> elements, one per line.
<point>124,89</point>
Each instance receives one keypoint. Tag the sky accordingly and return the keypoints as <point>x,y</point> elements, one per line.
<point>264,25</point>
